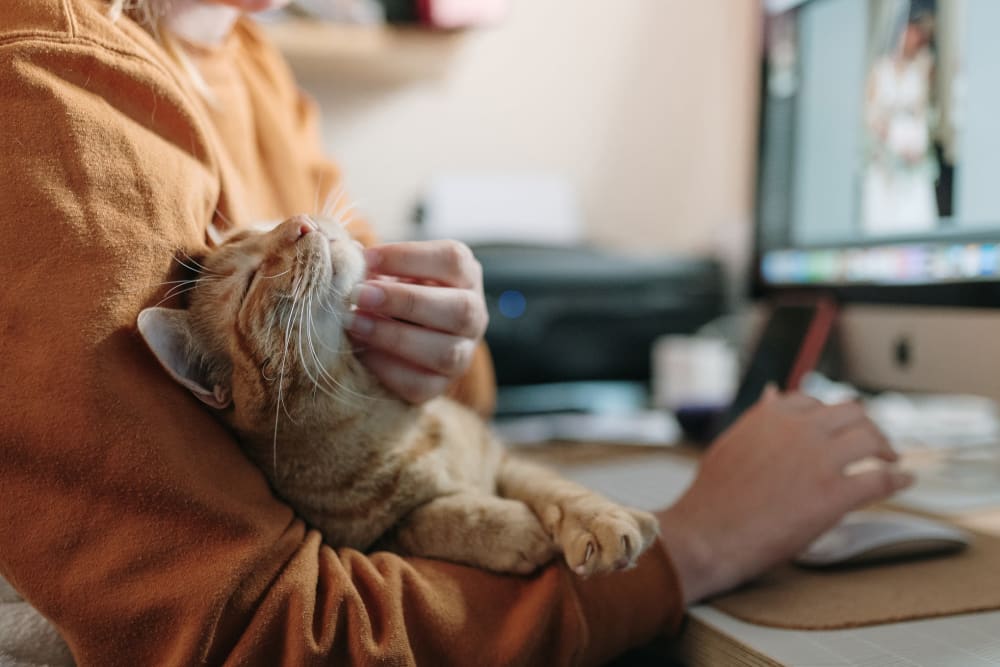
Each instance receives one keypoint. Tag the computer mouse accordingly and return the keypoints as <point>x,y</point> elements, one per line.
<point>871,537</point>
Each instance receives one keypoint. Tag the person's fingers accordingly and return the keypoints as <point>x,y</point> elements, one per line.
<point>870,486</point>
<point>429,350</point>
<point>835,418</point>
<point>861,441</point>
<point>457,311</point>
<point>406,381</point>
<point>447,262</point>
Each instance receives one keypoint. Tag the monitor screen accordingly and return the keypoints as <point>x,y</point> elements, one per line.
<point>880,143</point>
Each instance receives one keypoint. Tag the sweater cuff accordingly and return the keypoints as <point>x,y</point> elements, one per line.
<point>629,609</point>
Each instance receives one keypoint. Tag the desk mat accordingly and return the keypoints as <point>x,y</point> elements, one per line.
<point>803,599</point>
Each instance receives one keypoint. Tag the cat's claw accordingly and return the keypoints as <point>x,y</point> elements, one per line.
<point>598,536</point>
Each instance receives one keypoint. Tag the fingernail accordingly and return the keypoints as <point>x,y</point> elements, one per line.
<point>367,296</point>
<point>361,325</point>
<point>372,258</point>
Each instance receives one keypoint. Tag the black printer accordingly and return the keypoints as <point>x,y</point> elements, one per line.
<point>568,314</point>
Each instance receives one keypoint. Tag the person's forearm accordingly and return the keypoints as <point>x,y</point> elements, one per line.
<point>701,568</point>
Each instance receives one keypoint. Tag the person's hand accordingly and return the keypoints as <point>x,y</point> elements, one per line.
<point>770,485</point>
<point>420,315</point>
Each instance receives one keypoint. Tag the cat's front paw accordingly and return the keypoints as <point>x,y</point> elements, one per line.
<point>597,535</point>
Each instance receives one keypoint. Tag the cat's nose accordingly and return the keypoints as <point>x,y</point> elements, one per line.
<point>295,228</point>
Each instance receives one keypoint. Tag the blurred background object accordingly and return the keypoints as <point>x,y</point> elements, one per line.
<point>647,108</point>
<point>446,14</point>
<point>365,12</point>
<point>582,313</point>
<point>441,14</point>
<point>501,207</point>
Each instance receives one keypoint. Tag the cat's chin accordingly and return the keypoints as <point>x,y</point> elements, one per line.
<point>345,265</point>
<point>327,329</point>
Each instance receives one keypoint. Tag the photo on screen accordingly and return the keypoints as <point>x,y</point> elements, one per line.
<point>911,115</point>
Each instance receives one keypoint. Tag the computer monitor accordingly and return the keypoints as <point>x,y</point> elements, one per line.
<point>879,182</point>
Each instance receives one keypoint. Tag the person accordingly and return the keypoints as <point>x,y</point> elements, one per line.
<point>130,518</point>
<point>899,191</point>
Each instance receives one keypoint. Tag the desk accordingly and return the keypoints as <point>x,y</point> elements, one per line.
<point>651,478</point>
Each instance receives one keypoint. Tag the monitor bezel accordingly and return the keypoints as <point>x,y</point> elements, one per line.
<point>965,294</point>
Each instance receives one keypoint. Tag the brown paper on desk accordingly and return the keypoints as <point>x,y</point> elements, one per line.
<point>802,599</point>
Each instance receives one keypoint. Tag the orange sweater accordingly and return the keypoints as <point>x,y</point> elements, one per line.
<point>129,516</point>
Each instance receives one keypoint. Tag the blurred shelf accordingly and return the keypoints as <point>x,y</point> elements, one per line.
<point>322,49</point>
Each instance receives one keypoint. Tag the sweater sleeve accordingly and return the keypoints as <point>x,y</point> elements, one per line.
<point>128,515</point>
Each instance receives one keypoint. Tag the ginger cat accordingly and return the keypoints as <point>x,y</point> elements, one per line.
<point>262,343</point>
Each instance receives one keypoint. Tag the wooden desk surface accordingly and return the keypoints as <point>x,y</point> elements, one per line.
<point>711,638</point>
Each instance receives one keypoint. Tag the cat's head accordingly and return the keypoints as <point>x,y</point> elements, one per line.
<point>267,311</point>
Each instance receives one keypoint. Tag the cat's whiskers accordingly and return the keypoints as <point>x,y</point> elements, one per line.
<point>194,261</point>
<point>305,326</point>
<point>278,275</point>
<point>181,284</point>
<point>312,338</point>
<point>197,268</point>
<point>189,267</point>
<point>326,302</point>
<point>174,292</point>
<point>301,350</point>
<point>328,308</point>
<point>333,199</point>
<point>281,371</point>
<point>186,280</point>
<point>332,209</point>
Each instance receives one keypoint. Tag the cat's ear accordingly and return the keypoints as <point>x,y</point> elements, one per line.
<point>167,332</point>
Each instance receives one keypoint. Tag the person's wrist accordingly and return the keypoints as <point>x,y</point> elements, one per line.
<point>700,568</point>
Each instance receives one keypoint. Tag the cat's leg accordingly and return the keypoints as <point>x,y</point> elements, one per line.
<point>476,529</point>
<point>594,533</point>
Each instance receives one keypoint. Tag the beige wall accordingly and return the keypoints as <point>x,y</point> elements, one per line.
<point>647,107</point>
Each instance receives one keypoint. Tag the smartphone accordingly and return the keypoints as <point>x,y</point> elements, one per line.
<point>789,346</point>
